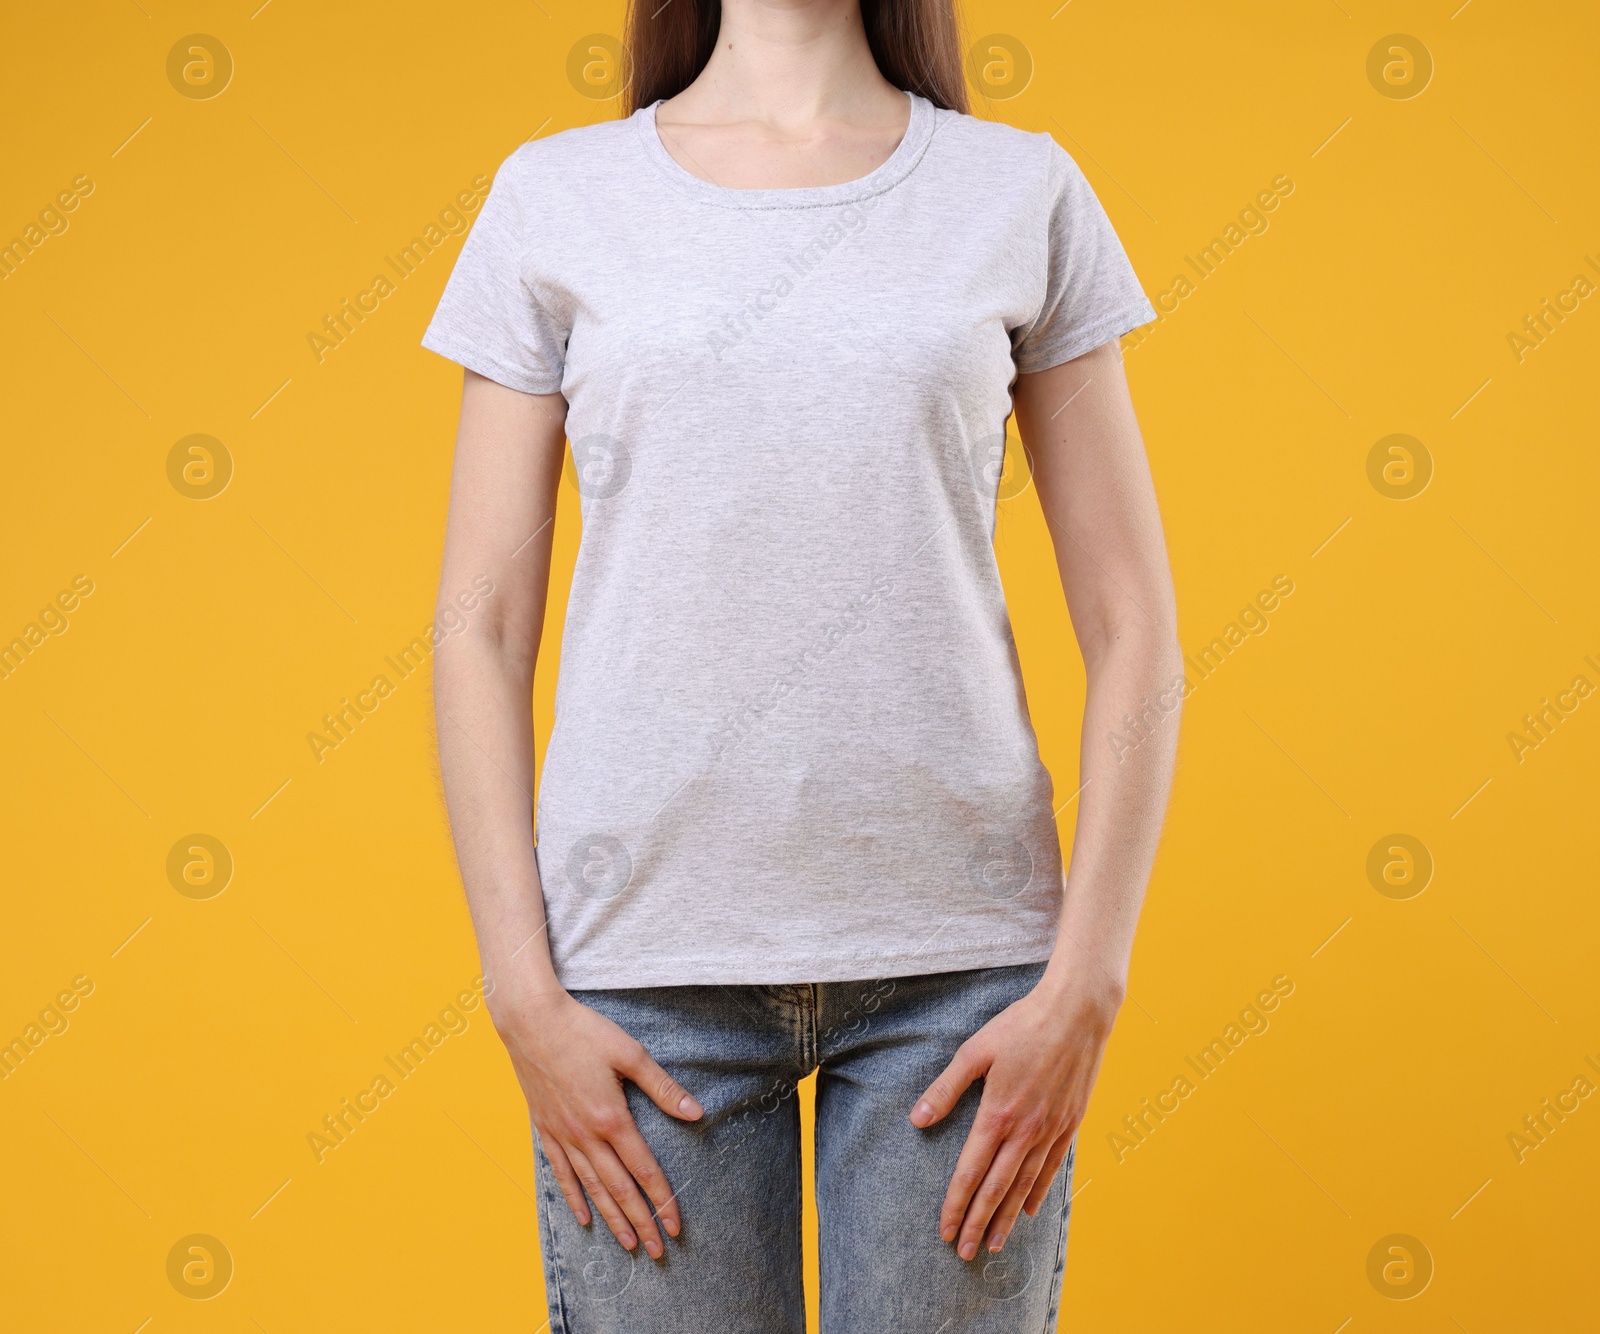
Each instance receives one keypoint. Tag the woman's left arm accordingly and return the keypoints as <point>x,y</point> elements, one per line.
<point>1038,1059</point>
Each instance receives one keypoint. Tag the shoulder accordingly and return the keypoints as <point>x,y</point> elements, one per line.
<point>569,157</point>
<point>1031,161</point>
<point>1026,168</point>
<point>994,141</point>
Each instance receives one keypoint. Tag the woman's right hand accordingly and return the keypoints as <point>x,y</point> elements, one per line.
<point>571,1062</point>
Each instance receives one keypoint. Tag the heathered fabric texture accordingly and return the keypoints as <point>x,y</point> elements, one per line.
<point>791,742</point>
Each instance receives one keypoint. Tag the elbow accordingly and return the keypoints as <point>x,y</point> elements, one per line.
<point>1163,655</point>
<point>1151,641</point>
<point>466,651</point>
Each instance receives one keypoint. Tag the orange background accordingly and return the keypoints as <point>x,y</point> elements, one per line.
<point>1429,217</point>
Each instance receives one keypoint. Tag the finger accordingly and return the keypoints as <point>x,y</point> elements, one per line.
<point>567,1179</point>
<point>629,1146</point>
<point>996,1183</point>
<point>626,1193</point>
<point>595,1188</point>
<point>1047,1177</point>
<point>661,1088</point>
<point>942,1095</point>
<point>977,1154</point>
<point>1005,1217</point>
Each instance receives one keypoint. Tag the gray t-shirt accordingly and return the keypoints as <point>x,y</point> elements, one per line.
<point>791,742</point>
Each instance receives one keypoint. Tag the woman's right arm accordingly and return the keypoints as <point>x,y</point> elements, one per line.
<point>570,1060</point>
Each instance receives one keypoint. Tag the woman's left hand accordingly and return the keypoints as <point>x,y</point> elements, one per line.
<point>1038,1060</point>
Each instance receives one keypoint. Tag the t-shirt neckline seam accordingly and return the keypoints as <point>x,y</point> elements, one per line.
<point>880,180</point>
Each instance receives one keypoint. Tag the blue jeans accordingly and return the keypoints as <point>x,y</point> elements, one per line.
<point>735,1267</point>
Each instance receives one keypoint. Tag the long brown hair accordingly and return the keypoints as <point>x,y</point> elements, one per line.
<point>917,45</point>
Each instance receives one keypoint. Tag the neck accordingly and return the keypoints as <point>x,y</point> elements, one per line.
<point>787,63</point>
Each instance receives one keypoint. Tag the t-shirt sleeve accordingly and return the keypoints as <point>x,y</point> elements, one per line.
<point>1092,294</point>
<point>488,318</point>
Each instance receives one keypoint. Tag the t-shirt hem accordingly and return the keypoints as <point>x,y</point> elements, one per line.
<point>796,970</point>
<point>476,359</point>
<point>1121,321</point>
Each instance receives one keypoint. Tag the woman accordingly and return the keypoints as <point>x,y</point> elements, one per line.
<point>792,816</point>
